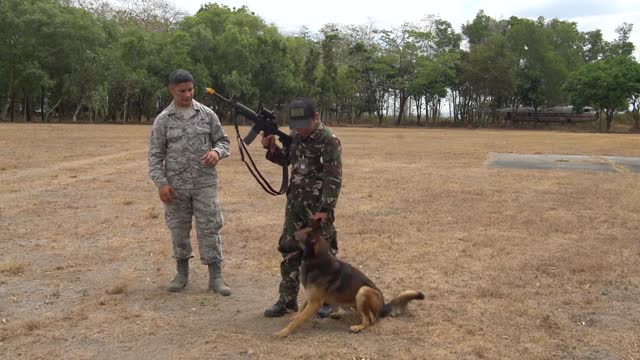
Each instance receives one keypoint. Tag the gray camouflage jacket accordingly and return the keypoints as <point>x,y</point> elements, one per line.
<point>176,146</point>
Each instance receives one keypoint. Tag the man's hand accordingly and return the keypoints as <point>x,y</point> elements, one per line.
<point>166,193</point>
<point>211,158</point>
<point>268,142</point>
<point>322,216</point>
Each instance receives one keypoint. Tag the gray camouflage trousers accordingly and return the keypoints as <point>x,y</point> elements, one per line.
<point>202,204</point>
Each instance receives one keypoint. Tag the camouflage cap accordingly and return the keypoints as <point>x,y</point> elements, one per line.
<point>300,113</point>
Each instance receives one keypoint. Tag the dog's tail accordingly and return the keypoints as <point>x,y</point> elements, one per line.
<point>398,305</point>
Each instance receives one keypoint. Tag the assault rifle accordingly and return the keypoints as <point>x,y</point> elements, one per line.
<point>266,121</point>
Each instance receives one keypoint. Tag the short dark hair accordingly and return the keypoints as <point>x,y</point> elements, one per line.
<point>180,76</point>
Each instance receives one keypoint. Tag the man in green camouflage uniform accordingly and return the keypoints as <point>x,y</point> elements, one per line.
<point>187,142</point>
<point>316,177</point>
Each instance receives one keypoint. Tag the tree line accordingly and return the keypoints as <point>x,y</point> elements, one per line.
<point>107,61</point>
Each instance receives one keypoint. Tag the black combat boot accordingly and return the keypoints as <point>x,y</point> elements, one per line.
<point>280,308</point>
<point>182,277</point>
<point>325,311</point>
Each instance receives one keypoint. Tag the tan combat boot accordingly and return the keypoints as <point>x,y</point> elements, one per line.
<point>216,283</point>
<point>182,277</point>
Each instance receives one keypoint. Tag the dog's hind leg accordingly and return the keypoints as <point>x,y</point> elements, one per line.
<point>368,303</point>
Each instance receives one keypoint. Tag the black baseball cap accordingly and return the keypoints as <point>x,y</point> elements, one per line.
<point>300,113</point>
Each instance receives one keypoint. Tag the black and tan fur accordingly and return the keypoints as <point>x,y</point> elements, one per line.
<point>328,280</point>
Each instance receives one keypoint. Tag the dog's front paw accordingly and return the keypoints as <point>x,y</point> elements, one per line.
<point>282,334</point>
<point>356,329</point>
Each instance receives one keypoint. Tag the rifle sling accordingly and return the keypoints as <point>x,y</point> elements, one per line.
<point>253,169</point>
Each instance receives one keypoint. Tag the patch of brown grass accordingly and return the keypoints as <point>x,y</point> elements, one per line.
<point>516,264</point>
<point>151,212</point>
<point>480,351</point>
<point>14,268</point>
<point>119,287</point>
<point>32,325</point>
<point>490,291</point>
<point>549,324</point>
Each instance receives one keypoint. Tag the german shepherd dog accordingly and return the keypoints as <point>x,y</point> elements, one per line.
<point>327,280</point>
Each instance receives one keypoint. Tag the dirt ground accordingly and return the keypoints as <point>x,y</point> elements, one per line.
<point>526,264</point>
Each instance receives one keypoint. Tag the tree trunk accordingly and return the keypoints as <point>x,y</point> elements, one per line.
<point>435,110</point>
<point>75,113</point>
<point>42,103</point>
<point>600,120</point>
<point>124,113</point>
<point>10,99</point>
<point>46,117</point>
<point>403,101</point>
<point>395,98</point>
<point>140,108</point>
<point>418,108</point>
<point>13,107</point>
<point>610,119</point>
<point>27,108</point>
<point>8,105</point>
<point>454,105</point>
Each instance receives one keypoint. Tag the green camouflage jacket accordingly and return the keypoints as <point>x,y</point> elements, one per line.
<point>316,172</point>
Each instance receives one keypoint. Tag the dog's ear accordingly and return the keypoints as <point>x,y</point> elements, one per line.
<point>301,235</point>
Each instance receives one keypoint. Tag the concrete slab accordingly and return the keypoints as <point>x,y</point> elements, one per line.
<point>549,162</point>
<point>630,163</point>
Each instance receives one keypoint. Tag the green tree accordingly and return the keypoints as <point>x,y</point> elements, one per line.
<point>401,53</point>
<point>327,83</point>
<point>622,46</point>
<point>541,71</point>
<point>634,79</point>
<point>490,72</point>
<point>593,45</point>
<point>605,85</point>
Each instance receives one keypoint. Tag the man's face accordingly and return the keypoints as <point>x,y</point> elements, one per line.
<point>182,93</point>
<point>305,132</point>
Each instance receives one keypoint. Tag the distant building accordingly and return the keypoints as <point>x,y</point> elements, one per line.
<point>553,114</point>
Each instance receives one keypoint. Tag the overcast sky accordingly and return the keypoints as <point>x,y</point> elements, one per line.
<point>289,16</point>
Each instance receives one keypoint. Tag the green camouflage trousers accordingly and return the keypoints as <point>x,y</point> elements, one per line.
<point>297,217</point>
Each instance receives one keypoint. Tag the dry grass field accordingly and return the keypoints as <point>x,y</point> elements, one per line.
<point>515,264</point>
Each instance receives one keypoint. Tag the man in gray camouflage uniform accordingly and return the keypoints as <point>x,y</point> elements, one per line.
<point>187,142</point>
<point>316,177</point>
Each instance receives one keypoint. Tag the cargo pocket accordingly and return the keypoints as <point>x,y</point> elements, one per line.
<point>204,139</point>
<point>174,138</point>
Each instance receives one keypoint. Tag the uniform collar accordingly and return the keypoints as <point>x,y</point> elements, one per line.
<point>171,109</point>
